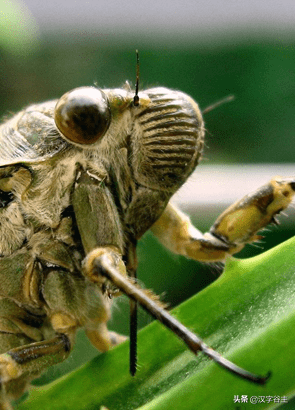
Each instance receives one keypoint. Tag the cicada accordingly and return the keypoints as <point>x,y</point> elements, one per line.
<point>81,180</point>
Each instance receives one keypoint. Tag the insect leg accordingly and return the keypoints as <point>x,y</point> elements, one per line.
<point>14,331</point>
<point>99,226</point>
<point>175,231</point>
<point>19,365</point>
<point>233,229</point>
<point>239,224</point>
<point>104,266</point>
<point>24,353</point>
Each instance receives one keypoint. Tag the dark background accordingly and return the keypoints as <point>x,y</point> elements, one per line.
<point>256,66</point>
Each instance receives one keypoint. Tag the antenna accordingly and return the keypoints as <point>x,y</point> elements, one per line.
<point>218,103</point>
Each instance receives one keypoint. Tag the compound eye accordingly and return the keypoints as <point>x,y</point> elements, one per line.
<point>83,115</point>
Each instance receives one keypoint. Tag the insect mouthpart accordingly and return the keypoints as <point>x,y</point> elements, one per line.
<point>83,115</point>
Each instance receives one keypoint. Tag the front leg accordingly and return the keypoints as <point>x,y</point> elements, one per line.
<point>101,232</point>
<point>103,265</point>
<point>233,229</point>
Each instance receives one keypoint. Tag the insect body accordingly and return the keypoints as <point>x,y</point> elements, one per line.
<point>81,180</point>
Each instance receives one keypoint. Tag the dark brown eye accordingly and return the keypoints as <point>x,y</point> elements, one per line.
<point>83,115</point>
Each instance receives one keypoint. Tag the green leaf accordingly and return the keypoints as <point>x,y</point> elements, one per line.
<point>247,315</point>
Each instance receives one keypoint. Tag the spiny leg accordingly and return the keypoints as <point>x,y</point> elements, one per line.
<point>16,387</point>
<point>24,353</point>
<point>101,264</point>
<point>19,365</point>
<point>233,229</point>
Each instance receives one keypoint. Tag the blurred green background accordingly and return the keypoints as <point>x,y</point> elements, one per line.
<point>258,127</point>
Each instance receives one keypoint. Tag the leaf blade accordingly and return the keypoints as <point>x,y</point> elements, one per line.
<point>247,314</point>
